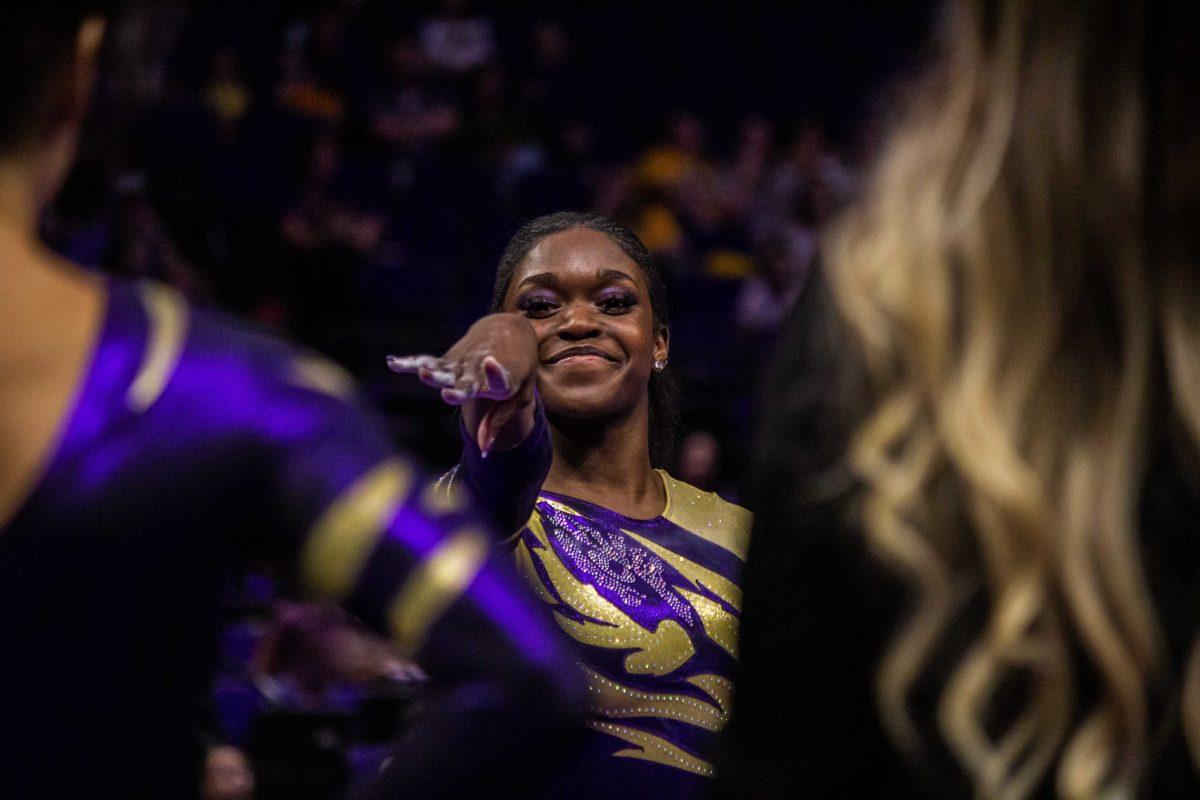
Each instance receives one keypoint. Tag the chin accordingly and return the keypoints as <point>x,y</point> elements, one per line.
<point>578,402</point>
<point>583,401</point>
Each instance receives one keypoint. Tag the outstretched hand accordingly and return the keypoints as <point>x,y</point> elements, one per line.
<point>490,373</point>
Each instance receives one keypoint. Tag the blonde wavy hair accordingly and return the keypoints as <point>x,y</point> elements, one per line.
<point>1022,328</point>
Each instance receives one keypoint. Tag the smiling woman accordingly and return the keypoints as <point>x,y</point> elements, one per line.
<point>566,413</point>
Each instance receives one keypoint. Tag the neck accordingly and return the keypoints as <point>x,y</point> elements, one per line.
<point>607,463</point>
<point>39,292</point>
<point>19,205</point>
<point>22,260</point>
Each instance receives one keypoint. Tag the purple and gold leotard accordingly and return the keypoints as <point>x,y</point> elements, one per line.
<point>651,604</point>
<point>194,446</point>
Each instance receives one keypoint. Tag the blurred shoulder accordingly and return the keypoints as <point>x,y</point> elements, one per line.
<point>222,338</point>
<point>228,371</point>
<point>707,515</point>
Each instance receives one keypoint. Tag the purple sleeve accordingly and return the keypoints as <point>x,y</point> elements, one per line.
<point>506,484</point>
<point>370,531</point>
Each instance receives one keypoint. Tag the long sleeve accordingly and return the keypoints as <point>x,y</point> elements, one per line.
<point>506,483</point>
<point>195,446</point>
<point>417,564</point>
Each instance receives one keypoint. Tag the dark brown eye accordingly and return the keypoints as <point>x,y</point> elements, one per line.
<point>537,306</point>
<point>617,302</point>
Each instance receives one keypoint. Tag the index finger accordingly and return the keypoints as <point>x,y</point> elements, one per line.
<point>409,364</point>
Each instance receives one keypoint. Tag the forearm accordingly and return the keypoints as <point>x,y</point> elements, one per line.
<point>506,483</point>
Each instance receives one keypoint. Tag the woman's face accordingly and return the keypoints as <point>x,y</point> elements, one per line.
<point>590,307</point>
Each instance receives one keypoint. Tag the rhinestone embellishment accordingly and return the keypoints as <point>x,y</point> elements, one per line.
<point>614,562</point>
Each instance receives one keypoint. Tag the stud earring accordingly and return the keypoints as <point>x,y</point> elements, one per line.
<point>660,364</point>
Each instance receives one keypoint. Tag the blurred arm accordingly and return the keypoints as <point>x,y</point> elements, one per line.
<point>417,564</point>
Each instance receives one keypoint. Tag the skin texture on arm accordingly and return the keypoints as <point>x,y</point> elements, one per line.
<point>506,454</point>
<point>490,373</point>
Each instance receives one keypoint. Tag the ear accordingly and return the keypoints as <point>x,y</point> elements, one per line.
<point>662,344</point>
<point>80,76</point>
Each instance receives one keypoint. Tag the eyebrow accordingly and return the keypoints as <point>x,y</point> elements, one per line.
<point>550,279</point>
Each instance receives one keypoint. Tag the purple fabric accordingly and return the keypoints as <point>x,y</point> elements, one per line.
<point>594,545</point>
<point>112,570</point>
<point>508,481</point>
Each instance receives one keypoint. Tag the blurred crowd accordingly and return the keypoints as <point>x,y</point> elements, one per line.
<point>347,173</point>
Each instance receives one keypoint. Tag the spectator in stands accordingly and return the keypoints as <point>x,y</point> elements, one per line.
<point>455,40</point>
<point>410,112</point>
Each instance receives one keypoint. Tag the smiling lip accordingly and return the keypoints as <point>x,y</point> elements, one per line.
<point>578,353</point>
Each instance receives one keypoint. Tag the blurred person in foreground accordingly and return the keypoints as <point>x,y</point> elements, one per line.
<point>146,449</point>
<point>568,417</point>
<point>227,774</point>
<point>975,570</point>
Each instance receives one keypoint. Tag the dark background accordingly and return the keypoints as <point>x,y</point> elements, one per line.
<point>172,187</point>
<point>311,168</point>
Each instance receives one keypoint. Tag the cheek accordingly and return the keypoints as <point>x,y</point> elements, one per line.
<point>543,330</point>
<point>637,336</point>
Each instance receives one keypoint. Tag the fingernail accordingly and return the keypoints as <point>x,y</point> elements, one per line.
<point>405,363</point>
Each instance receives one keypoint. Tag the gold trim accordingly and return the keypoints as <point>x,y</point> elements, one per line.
<point>653,748</point>
<point>321,375</point>
<point>706,515</point>
<point>525,568</point>
<point>657,653</point>
<point>343,536</point>
<point>434,585</point>
<point>719,624</point>
<point>718,687</point>
<point>439,500</point>
<point>614,700</point>
<point>167,313</point>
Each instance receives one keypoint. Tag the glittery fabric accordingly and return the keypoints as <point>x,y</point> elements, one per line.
<point>653,608</point>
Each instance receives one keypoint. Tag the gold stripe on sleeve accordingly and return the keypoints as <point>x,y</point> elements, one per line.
<point>321,375</point>
<point>344,535</point>
<point>168,316</point>
<point>434,585</point>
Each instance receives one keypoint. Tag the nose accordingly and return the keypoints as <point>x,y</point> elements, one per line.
<point>577,322</point>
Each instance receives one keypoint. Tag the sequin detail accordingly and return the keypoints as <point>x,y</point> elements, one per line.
<point>589,618</point>
<point>657,595</point>
<point>617,701</point>
<point>612,560</point>
<point>653,748</point>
